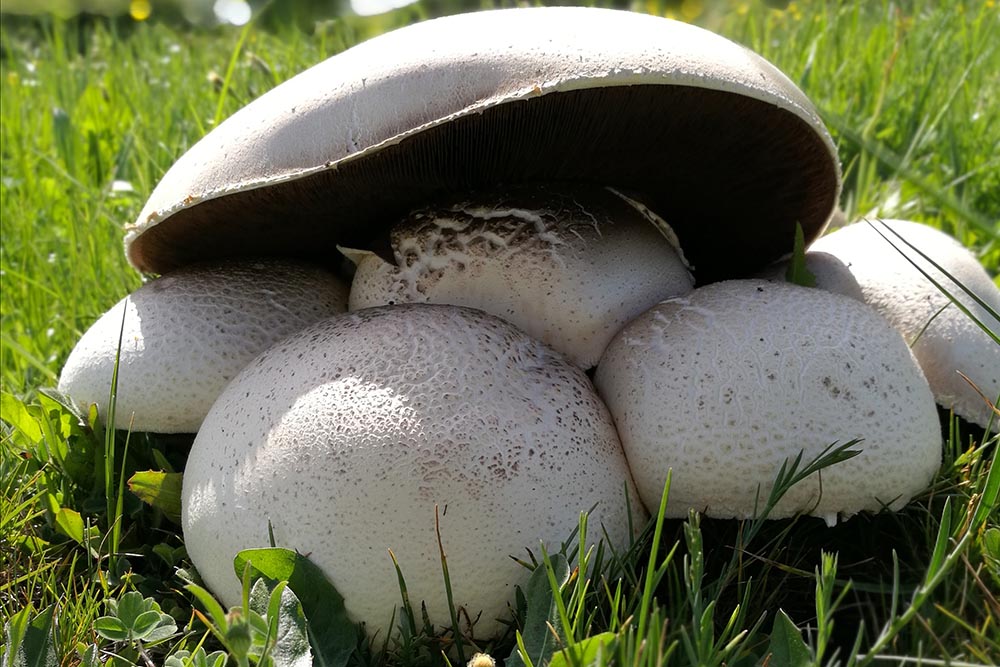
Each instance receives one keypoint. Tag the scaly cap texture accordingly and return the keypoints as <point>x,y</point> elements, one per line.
<point>568,266</point>
<point>345,437</point>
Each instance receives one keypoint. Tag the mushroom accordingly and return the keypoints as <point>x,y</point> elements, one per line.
<point>185,335</point>
<point>345,453</point>
<point>945,341</point>
<point>829,271</point>
<point>727,383</point>
<point>568,266</point>
<point>710,136</point>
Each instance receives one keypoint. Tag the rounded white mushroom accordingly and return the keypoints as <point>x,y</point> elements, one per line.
<point>346,436</point>
<point>944,340</point>
<point>568,266</point>
<point>727,383</point>
<point>186,334</point>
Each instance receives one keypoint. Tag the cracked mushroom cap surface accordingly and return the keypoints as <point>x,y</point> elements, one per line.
<point>346,453</point>
<point>185,335</point>
<point>944,339</point>
<point>725,384</point>
<point>570,267</point>
<point>515,96</point>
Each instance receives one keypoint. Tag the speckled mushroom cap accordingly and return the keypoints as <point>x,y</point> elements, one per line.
<point>187,334</point>
<point>727,383</point>
<point>346,453</point>
<point>944,340</point>
<point>570,267</point>
<point>712,137</point>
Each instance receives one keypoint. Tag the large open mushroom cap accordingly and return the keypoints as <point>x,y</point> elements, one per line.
<point>711,136</point>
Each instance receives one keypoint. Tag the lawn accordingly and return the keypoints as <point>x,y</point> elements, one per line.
<point>94,111</point>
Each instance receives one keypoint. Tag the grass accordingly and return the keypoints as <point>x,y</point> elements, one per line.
<point>93,112</point>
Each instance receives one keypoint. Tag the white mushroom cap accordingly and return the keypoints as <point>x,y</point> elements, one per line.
<point>346,436</point>
<point>188,333</point>
<point>831,273</point>
<point>727,383</point>
<point>569,267</point>
<point>944,340</point>
<point>714,138</point>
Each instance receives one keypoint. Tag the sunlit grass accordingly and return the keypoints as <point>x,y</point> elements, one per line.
<point>93,113</point>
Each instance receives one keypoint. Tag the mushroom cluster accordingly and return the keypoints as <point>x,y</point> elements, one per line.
<point>526,194</point>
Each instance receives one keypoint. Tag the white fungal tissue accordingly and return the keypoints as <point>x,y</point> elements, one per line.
<point>724,385</point>
<point>568,267</point>
<point>348,435</point>
<point>946,342</point>
<point>188,333</point>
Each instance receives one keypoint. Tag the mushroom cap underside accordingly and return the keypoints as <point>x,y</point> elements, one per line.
<point>708,134</point>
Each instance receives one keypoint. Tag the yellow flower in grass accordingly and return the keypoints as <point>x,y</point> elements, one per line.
<point>140,9</point>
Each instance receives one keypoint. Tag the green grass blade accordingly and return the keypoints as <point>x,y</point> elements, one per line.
<point>989,498</point>
<point>646,602</point>
<point>216,613</point>
<point>798,273</point>
<point>230,69</point>
<point>405,595</point>
<point>453,610</point>
<point>898,166</point>
<point>951,297</point>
